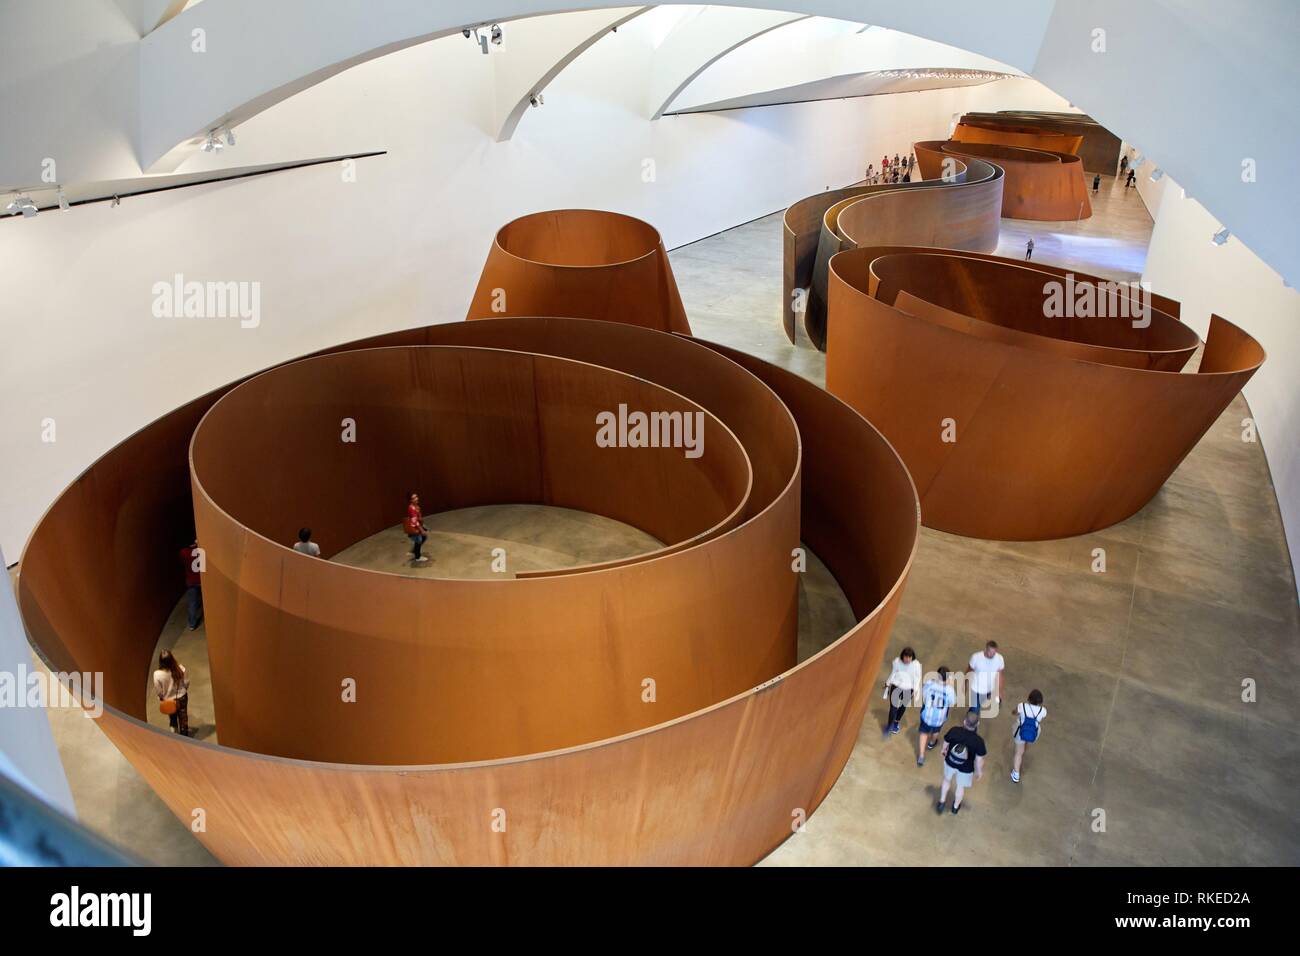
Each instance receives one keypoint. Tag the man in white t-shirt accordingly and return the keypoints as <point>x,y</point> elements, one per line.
<point>305,545</point>
<point>985,676</point>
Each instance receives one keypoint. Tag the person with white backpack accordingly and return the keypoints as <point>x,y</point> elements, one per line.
<point>1029,723</point>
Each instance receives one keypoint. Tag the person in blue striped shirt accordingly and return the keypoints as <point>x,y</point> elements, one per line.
<point>937,696</point>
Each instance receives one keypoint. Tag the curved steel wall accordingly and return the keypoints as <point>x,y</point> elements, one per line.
<point>449,670</point>
<point>1023,137</point>
<point>962,212</point>
<point>1054,435</point>
<point>583,263</point>
<point>1099,149</point>
<point>722,784</point>
<point>1040,184</point>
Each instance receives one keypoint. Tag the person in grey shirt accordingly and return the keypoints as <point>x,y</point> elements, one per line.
<point>306,545</point>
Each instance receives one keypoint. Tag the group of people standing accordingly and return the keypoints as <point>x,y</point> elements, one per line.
<point>964,749</point>
<point>898,171</point>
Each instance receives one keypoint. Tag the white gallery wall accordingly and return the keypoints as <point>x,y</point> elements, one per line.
<point>1231,281</point>
<point>400,246</point>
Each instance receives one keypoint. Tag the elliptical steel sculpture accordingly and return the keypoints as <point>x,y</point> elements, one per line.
<point>749,743</point>
<point>581,263</point>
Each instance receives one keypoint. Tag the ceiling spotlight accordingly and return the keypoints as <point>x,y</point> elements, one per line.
<point>212,144</point>
<point>117,201</point>
<point>230,137</point>
<point>496,34</point>
<point>1157,174</point>
<point>465,33</point>
<point>63,200</point>
<point>22,204</point>
<point>1220,237</point>
<point>536,99</point>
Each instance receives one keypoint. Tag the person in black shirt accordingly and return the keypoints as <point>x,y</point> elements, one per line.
<point>963,756</point>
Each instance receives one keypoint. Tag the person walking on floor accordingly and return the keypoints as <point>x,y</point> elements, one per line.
<point>936,697</point>
<point>1131,181</point>
<point>305,545</point>
<point>1096,183</point>
<point>985,671</point>
<point>1123,165</point>
<point>1029,724</point>
<point>172,685</point>
<point>193,585</point>
<point>963,758</point>
<point>904,679</point>
<point>1029,249</point>
<point>415,529</point>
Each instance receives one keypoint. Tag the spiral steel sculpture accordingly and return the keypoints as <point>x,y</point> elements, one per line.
<point>498,721</point>
<point>962,211</point>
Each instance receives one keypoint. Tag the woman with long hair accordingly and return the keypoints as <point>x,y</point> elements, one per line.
<point>904,681</point>
<point>172,685</point>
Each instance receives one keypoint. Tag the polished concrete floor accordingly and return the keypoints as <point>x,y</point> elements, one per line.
<point>1150,754</point>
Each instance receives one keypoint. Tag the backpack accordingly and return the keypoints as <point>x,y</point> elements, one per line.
<point>1029,727</point>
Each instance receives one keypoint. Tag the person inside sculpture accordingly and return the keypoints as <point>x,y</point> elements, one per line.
<point>415,529</point>
<point>963,758</point>
<point>305,545</point>
<point>1029,723</point>
<point>193,584</point>
<point>172,685</point>
<point>1096,183</point>
<point>936,697</point>
<point>985,672</point>
<point>1029,249</point>
<point>904,680</point>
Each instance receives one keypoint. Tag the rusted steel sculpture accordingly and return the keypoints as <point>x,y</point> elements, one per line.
<point>1017,421</point>
<point>1098,149</point>
<point>961,211</point>
<point>737,746</point>
<point>581,263</point>
<point>1024,137</point>
<point>1040,184</point>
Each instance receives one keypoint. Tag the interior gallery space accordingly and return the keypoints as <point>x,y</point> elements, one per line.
<point>517,433</point>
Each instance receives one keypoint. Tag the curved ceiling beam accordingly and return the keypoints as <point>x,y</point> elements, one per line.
<point>697,43</point>
<point>256,54</point>
<point>1201,130</point>
<point>148,15</point>
<point>529,63</point>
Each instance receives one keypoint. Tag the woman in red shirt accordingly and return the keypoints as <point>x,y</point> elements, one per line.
<point>415,529</point>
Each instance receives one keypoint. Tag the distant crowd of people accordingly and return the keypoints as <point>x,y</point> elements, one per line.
<point>964,748</point>
<point>898,171</point>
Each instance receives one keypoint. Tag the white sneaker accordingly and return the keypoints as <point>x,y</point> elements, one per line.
<point>1015,777</point>
<point>421,559</point>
